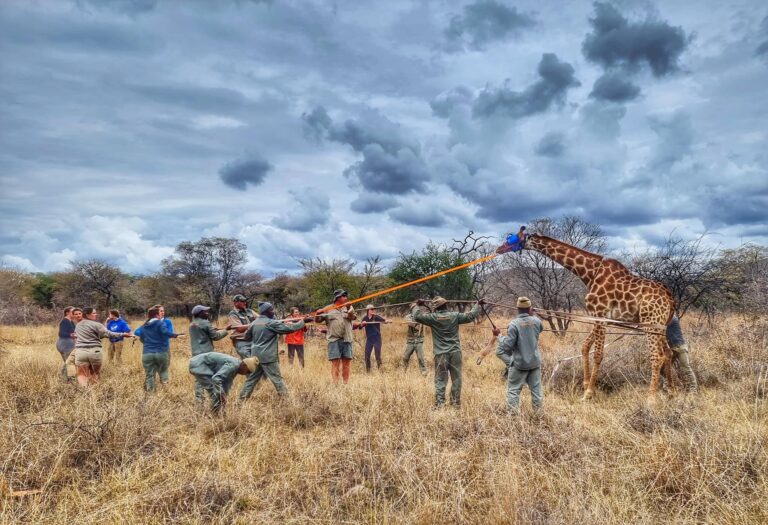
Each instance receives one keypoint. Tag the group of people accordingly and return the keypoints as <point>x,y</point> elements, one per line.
<point>254,336</point>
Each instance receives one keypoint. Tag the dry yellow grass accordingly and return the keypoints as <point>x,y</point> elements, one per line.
<point>374,452</point>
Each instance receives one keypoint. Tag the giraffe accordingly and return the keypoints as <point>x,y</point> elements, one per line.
<point>613,292</point>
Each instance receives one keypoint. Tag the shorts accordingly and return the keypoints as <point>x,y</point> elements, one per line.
<point>339,350</point>
<point>88,356</point>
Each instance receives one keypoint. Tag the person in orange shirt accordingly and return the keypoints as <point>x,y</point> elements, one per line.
<point>295,340</point>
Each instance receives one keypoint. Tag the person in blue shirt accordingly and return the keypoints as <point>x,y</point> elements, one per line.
<point>371,323</point>
<point>168,324</point>
<point>155,336</point>
<point>115,323</point>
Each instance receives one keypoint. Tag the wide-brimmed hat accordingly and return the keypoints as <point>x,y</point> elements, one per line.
<point>338,293</point>
<point>370,307</point>
<point>438,302</point>
<point>240,297</point>
<point>251,363</point>
<point>523,302</point>
<point>199,308</point>
<point>263,307</point>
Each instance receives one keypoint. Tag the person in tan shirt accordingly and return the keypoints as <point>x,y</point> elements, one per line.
<point>339,319</point>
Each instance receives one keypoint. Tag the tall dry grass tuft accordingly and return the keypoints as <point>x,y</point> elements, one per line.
<point>374,451</point>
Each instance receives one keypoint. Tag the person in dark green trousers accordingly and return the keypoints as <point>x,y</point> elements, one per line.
<point>215,372</point>
<point>155,358</point>
<point>446,344</point>
<point>202,334</point>
<point>263,334</point>
<point>519,350</point>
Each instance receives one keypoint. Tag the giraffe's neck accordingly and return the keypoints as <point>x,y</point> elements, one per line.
<point>579,262</point>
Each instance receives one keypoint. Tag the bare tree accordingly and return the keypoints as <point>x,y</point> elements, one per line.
<point>546,282</point>
<point>688,268</point>
<point>100,276</point>
<point>209,267</point>
<point>372,276</point>
<point>473,247</point>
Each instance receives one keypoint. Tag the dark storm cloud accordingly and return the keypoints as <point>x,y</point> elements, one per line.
<point>485,22</point>
<point>675,140</point>
<point>240,173</point>
<point>201,99</point>
<point>617,42</point>
<point>742,200</point>
<point>372,203</point>
<point>556,78</point>
<point>392,173</point>
<point>551,145</point>
<point>762,49</point>
<point>614,87</point>
<point>391,162</point>
<point>443,105</point>
<point>311,210</point>
<point>413,214</point>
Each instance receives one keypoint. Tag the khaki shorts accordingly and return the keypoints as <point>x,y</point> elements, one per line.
<point>88,356</point>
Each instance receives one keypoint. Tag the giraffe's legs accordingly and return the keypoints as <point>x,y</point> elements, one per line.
<point>598,335</point>
<point>585,360</point>
<point>655,344</point>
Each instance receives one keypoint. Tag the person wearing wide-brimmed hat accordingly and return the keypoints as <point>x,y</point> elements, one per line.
<point>201,337</point>
<point>263,334</point>
<point>519,350</point>
<point>371,323</point>
<point>446,344</point>
<point>339,316</point>
<point>241,315</point>
<point>215,372</point>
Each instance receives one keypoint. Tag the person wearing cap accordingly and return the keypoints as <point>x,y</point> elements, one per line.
<point>155,357</point>
<point>371,323</point>
<point>215,372</point>
<point>446,344</point>
<point>115,323</point>
<point>339,316</point>
<point>263,333</point>
<point>241,315</point>
<point>519,350</point>
<point>295,340</point>
<point>414,343</point>
<point>201,337</point>
<point>680,355</point>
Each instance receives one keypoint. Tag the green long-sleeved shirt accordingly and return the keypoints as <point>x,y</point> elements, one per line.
<point>202,335</point>
<point>263,334</point>
<point>445,327</point>
<point>520,347</point>
<point>218,368</point>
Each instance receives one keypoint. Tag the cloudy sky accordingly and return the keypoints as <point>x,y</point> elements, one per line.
<point>355,128</point>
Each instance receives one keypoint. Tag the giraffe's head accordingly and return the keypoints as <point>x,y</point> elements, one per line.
<point>514,243</point>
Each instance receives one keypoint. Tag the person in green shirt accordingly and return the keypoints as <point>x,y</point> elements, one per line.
<point>241,315</point>
<point>446,344</point>
<point>201,337</point>
<point>263,333</point>
<point>414,343</point>
<point>519,350</point>
<point>215,372</point>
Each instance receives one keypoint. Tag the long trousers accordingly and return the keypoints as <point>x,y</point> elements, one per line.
<point>155,364</point>
<point>372,344</point>
<point>446,365</point>
<point>298,350</point>
<point>269,370</point>
<point>216,394</point>
<point>115,351</point>
<point>418,349</point>
<point>516,380</point>
<point>681,356</point>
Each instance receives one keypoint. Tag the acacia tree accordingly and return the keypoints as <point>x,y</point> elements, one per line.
<point>207,269</point>
<point>433,258</point>
<point>322,277</point>
<point>98,276</point>
<point>546,282</point>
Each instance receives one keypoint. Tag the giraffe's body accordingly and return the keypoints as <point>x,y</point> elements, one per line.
<point>613,292</point>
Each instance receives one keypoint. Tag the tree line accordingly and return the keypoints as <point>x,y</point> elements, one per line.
<point>209,271</point>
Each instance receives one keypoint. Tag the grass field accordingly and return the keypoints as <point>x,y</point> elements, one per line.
<point>374,452</point>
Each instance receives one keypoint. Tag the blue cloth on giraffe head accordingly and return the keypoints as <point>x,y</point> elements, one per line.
<point>514,242</point>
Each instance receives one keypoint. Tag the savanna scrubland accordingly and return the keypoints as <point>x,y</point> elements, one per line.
<point>374,451</point>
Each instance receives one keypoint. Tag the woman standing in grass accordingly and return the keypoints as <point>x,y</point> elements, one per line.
<point>66,341</point>
<point>89,334</point>
<point>156,358</point>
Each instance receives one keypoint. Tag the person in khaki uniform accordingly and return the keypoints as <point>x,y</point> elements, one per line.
<point>339,317</point>
<point>519,350</point>
<point>241,315</point>
<point>680,355</point>
<point>446,344</point>
<point>201,337</point>
<point>263,334</point>
<point>414,343</point>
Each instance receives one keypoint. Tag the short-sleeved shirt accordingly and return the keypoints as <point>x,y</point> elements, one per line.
<point>241,317</point>
<point>373,331</point>
<point>339,326</point>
